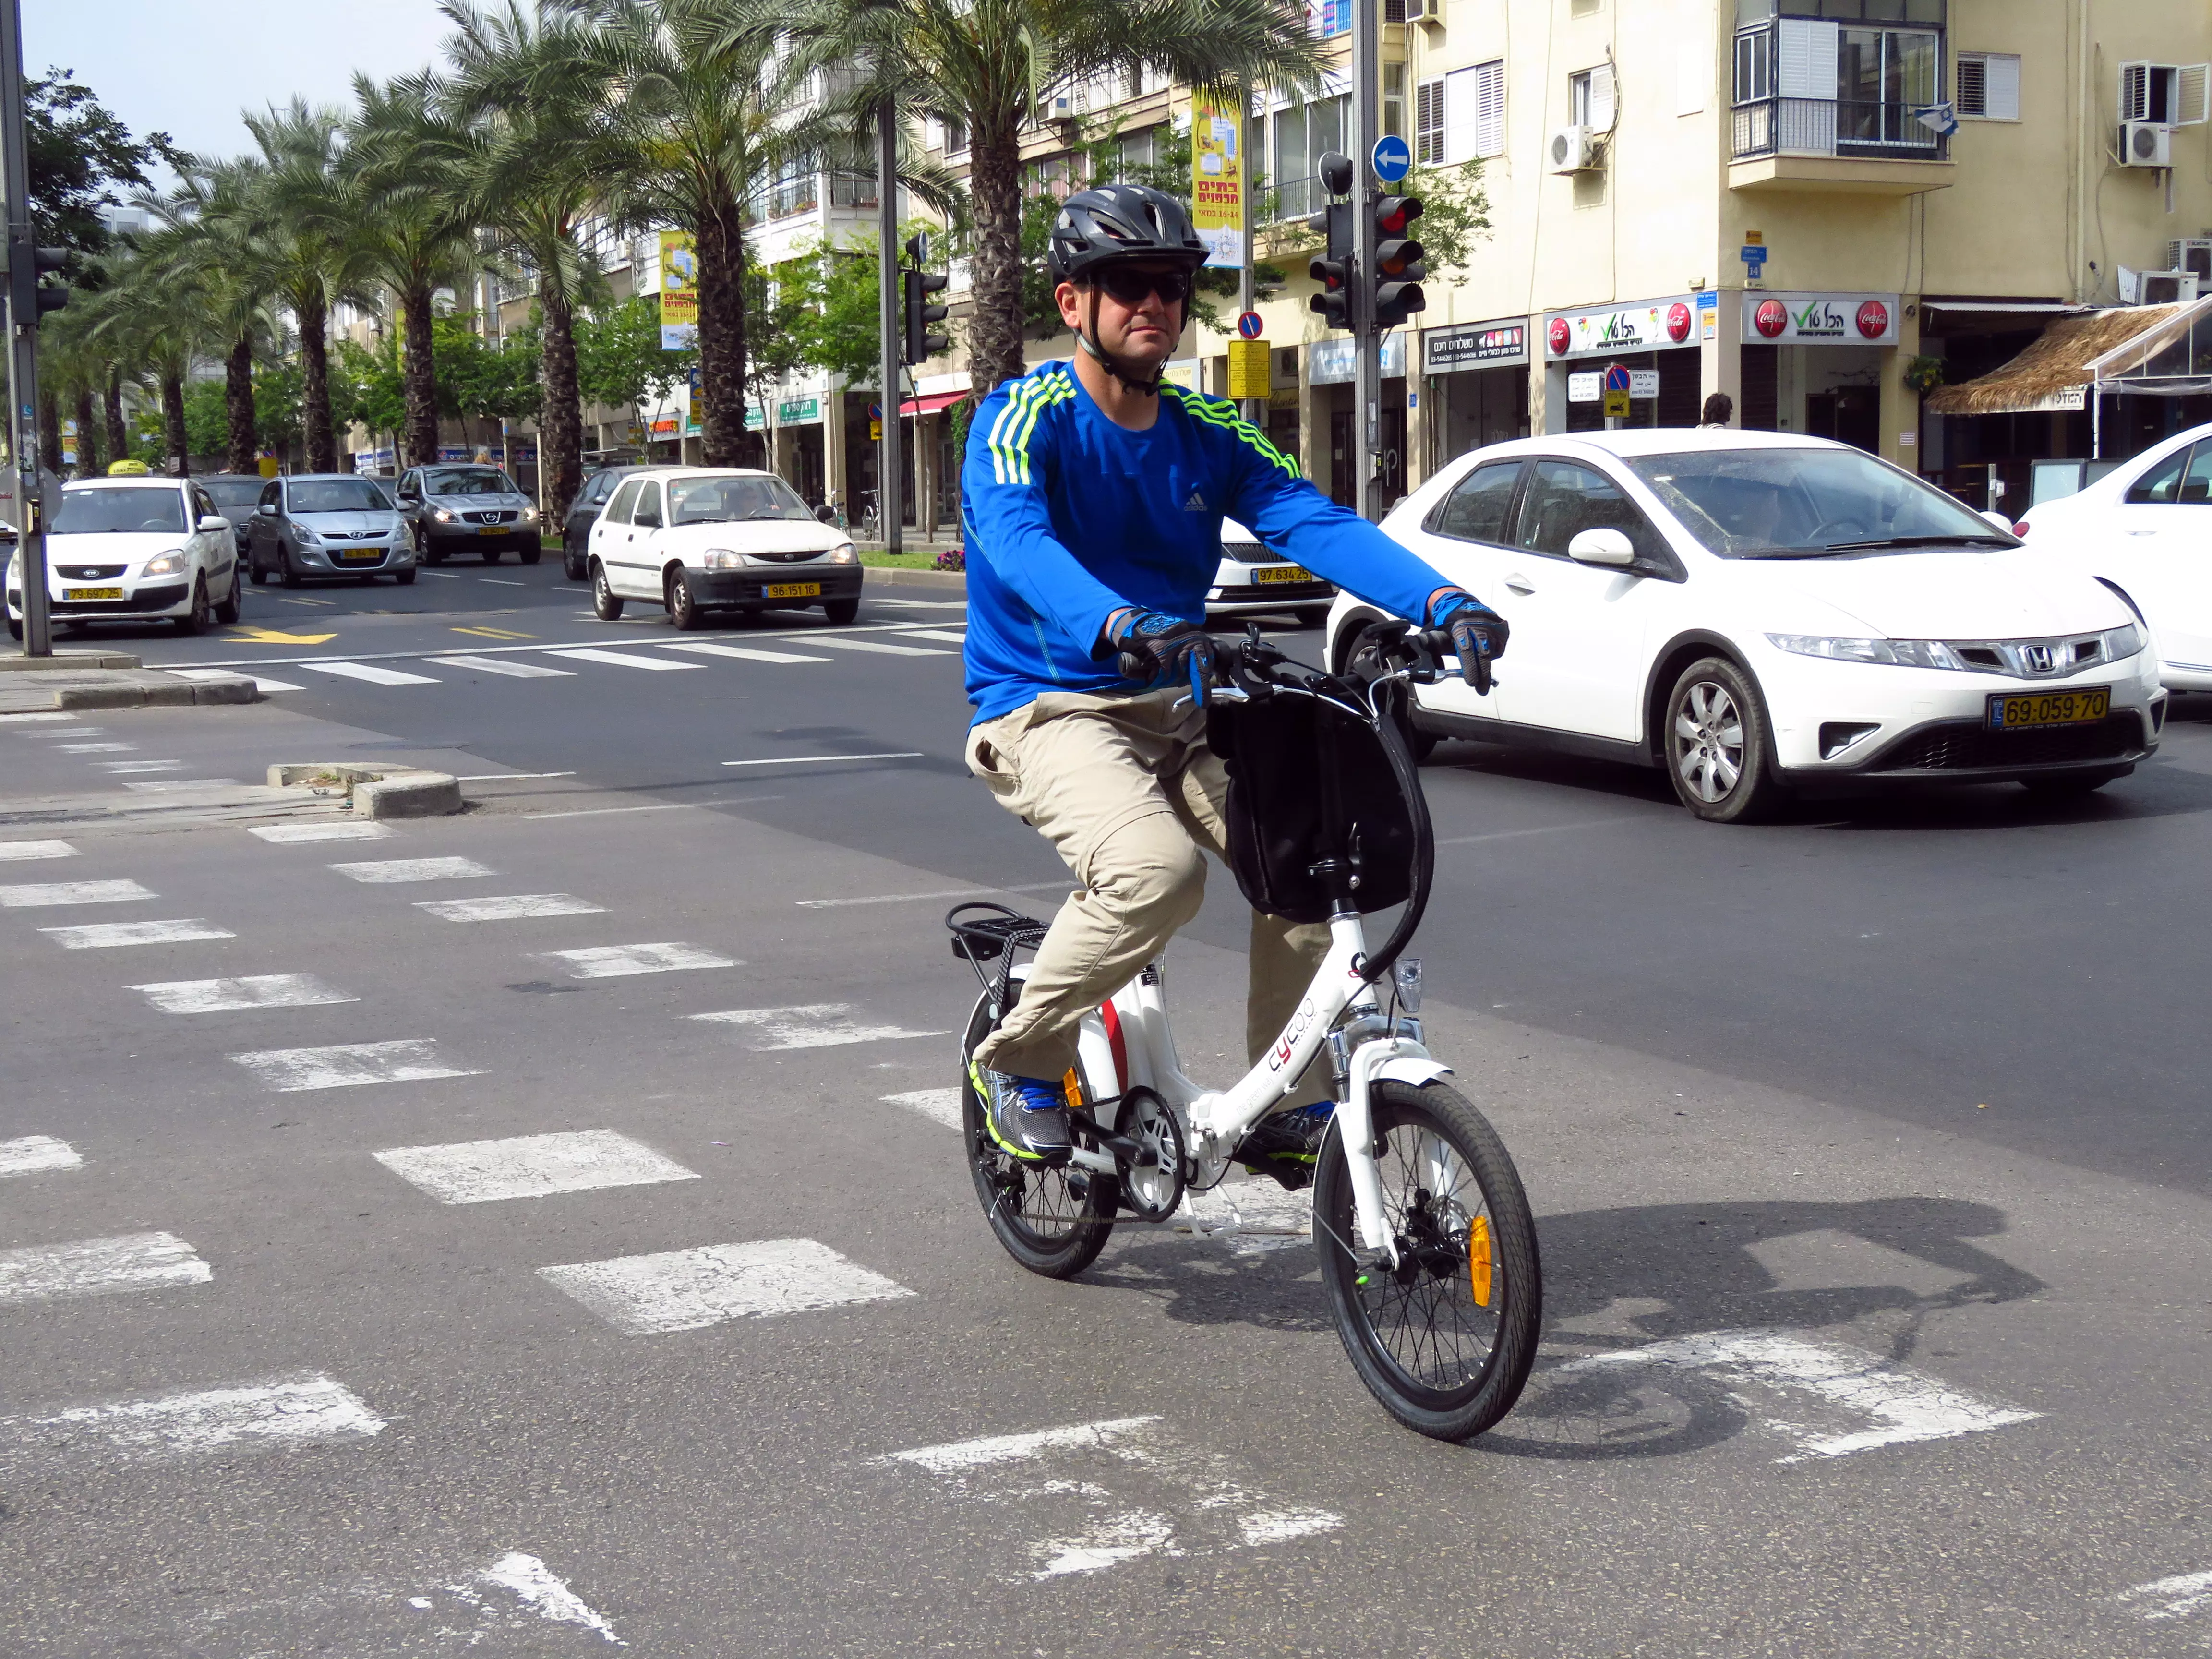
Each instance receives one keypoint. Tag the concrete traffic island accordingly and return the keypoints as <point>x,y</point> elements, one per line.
<point>109,679</point>
<point>385,792</point>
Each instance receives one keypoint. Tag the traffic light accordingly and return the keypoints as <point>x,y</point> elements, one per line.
<point>919,284</point>
<point>30,298</point>
<point>1398,267</point>
<point>1333,269</point>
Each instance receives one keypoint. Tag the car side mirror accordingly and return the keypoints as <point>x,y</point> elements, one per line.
<point>825,514</point>
<point>2002,521</point>
<point>266,509</point>
<point>1603,545</point>
<point>214,521</point>
<point>410,496</point>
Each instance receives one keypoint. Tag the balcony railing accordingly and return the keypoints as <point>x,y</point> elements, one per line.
<point>1836,126</point>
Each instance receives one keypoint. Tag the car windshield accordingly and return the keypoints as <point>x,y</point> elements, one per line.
<point>338,495</point>
<point>469,481</point>
<point>1789,503</point>
<point>721,501</point>
<point>110,508</point>
<point>232,494</point>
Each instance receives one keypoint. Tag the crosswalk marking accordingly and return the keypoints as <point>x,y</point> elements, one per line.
<point>622,660</point>
<point>513,908</point>
<point>2171,1598</point>
<point>99,1266</point>
<point>34,719</point>
<point>821,1026</point>
<point>615,961</point>
<point>846,642</point>
<point>937,1105</point>
<point>923,604</point>
<point>262,682</point>
<point>215,996</point>
<point>933,633</point>
<point>743,652</point>
<point>167,785</point>
<point>336,830</point>
<point>132,769</point>
<point>371,673</point>
<point>280,1412</point>
<point>31,895</point>
<point>385,872</point>
<point>510,666</point>
<point>349,1065</point>
<point>108,935</point>
<point>11,851</point>
<point>36,1154</point>
<point>535,1585</point>
<point>531,1166</point>
<point>689,1290</point>
<point>94,748</point>
<point>818,760</point>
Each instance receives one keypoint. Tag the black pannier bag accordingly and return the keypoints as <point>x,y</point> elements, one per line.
<point>1298,764</point>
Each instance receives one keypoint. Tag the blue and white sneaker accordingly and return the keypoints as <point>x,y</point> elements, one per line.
<point>1287,1145</point>
<point>1026,1115</point>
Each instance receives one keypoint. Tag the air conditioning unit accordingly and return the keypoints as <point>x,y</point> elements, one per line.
<point>2192,253</point>
<point>2165,288</point>
<point>2146,144</point>
<point>1573,149</point>
<point>1424,11</point>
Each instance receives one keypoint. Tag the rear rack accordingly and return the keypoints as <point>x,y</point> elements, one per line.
<point>992,933</point>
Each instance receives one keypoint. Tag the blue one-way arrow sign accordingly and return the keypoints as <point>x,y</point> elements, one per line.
<point>1390,159</point>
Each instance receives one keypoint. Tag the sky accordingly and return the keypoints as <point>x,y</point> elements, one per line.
<point>188,67</point>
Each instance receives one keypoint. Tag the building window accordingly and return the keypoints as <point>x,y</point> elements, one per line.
<point>956,136</point>
<point>2172,93</point>
<point>1589,99</point>
<point>1471,108</point>
<point>1303,133</point>
<point>1988,85</point>
<point>1136,151</point>
<point>1393,100</point>
<point>1754,66</point>
<point>1429,123</point>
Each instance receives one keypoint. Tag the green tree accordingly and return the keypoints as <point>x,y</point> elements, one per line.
<point>619,359</point>
<point>75,153</point>
<point>205,237</point>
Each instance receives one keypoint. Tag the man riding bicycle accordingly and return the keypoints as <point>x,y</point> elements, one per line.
<point>1093,496</point>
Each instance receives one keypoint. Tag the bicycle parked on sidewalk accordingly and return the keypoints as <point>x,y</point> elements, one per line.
<point>1427,1245</point>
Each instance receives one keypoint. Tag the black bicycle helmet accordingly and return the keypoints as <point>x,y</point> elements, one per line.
<point>1120,221</point>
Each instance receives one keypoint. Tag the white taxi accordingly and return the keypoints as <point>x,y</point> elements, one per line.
<point>135,549</point>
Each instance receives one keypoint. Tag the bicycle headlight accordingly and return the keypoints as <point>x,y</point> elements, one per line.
<point>722,558</point>
<point>1898,653</point>
<point>171,563</point>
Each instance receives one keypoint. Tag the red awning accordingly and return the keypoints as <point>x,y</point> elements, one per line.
<point>932,405</point>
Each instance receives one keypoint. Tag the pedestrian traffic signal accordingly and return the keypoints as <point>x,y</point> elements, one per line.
<point>919,284</point>
<point>1333,269</point>
<point>1398,267</point>
<point>30,298</point>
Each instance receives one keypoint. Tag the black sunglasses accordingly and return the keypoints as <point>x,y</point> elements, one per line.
<point>1129,288</point>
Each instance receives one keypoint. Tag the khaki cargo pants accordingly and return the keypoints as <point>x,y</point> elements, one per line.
<point>1127,791</point>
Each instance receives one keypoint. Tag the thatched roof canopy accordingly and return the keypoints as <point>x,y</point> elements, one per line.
<point>2056,362</point>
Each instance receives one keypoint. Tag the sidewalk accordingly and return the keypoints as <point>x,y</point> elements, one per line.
<point>108,679</point>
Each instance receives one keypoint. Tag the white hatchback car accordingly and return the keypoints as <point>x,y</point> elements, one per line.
<point>2146,528</point>
<point>1760,614</point>
<point>700,539</point>
<point>135,549</point>
<point>1254,580</point>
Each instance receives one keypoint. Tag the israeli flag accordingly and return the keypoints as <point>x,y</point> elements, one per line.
<point>1941,119</point>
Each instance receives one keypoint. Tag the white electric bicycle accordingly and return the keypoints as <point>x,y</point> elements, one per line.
<point>1428,1249</point>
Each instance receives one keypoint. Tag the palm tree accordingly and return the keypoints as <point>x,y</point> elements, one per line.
<point>991,63</point>
<point>158,326</point>
<point>206,235</point>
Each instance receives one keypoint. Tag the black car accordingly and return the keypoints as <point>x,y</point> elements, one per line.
<point>234,496</point>
<point>584,513</point>
<point>462,507</point>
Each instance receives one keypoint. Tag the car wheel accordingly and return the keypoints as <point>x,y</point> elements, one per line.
<point>532,551</point>
<point>405,578</point>
<point>841,612</point>
<point>682,609</point>
<point>426,551</point>
<point>285,569</point>
<point>201,617</point>
<point>606,604</point>
<point>227,612</point>
<point>2070,785</point>
<point>15,629</point>
<point>1715,744</point>
<point>572,564</point>
<point>1313,616</point>
<point>260,576</point>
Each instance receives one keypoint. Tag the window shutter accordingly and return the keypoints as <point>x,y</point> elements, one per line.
<point>1974,93</point>
<point>1602,102</point>
<point>2192,94</point>
<point>1460,116</point>
<point>1808,53</point>
<point>1490,108</point>
<point>1429,122</point>
<point>2135,92</point>
<point>2004,82</point>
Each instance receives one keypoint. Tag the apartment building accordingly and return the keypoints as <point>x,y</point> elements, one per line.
<point>1914,179</point>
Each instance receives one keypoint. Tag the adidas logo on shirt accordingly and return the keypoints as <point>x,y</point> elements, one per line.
<point>1196,503</point>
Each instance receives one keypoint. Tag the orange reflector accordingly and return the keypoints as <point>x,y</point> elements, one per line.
<point>1478,1260</point>
<point>1071,1086</point>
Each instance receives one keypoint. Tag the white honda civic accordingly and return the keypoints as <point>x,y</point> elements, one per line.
<point>1763,614</point>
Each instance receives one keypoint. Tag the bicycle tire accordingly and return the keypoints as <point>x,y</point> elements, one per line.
<point>1017,1196</point>
<point>1449,1384</point>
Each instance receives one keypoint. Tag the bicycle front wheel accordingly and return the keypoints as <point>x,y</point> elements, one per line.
<point>1445,1339</point>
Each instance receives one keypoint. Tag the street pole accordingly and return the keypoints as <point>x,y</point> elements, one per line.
<point>891,472</point>
<point>1367,383</point>
<point>1255,408</point>
<point>23,426</point>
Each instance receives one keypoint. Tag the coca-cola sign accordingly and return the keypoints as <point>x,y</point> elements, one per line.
<point>1771,318</point>
<point>1650,325</point>
<point>1821,318</point>
<point>1678,322</point>
<point>1559,336</point>
<point>1873,320</point>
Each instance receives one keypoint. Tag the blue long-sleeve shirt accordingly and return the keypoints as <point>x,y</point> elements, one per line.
<point>1070,518</point>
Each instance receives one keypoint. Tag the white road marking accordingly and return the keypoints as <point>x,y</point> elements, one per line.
<point>336,830</point>
<point>349,1065</point>
<point>1534,829</point>
<point>369,671</point>
<point>11,851</point>
<point>94,748</point>
<point>506,777</point>
<point>2174,1598</point>
<point>937,1105</point>
<point>513,670</point>
<point>184,783</point>
<point>747,653</point>
<point>122,768</point>
<point>514,909</point>
<point>99,1266</point>
<point>1129,1487</point>
<point>533,1584</point>
<point>1854,1384</point>
<point>665,806</point>
<point>35,1154</point>
<point>386,871</point>
<point>502,581</point>
<point>107,935</point>
<point>922,604</point>
<point>32,895</point>
<point>821,1025</point>
<point>261,682</point>
<point>622,660</point>
<point>816,760</point>
<point>531,1166</point>
<point>26,719</point>
<point>445,575</point>
<point>215,996</point>
<point>878,646</point>
<point>945,893</point>
<point>285,1411</point>
<point>615,961</point>
<point>690,1290</point>
<point>933,633</point>
<point>1253,1216</point>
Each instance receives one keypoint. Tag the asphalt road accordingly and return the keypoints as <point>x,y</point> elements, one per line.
<point>1868,1151</point>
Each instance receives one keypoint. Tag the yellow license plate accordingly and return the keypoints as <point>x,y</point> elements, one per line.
<point>2010,713</point>
<point>493,530</point>
<point>1282,572</point>
<point>794,590</point>
<point>91,592</point>
<point>362,553</point>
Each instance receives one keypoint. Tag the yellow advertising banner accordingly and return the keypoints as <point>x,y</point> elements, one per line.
<point>679,291</point>
<point>1217,179</point>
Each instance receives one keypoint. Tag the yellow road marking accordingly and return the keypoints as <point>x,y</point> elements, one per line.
<point>271,636</point>
<point>495,633</point>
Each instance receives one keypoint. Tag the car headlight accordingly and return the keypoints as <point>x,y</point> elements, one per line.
<point>721,558</point>
<point>441,515</point>
<point>2121,642</point>
<point>305,537</point>
<point>530,515</point>
<point>843,555</point>
<point>1898,653</point>
<point>167,564</point>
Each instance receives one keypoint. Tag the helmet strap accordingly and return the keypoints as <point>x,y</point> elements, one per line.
<point>1088,339</point>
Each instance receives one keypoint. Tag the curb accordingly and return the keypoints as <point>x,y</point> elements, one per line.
<point>402,792</point>
<point>235,689</point>
<point>893,576</point>
<point>68,660</point>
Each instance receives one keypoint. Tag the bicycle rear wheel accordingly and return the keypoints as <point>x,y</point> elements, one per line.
<point>1444,1340</point>
<point>1052,1219</point>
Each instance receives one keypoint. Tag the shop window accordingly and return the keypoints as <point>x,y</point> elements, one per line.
<point>1988,85</point>
<point>1475,510</point>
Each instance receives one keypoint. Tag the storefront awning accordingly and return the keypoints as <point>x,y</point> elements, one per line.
<point>2056,371</point>
<point>934,403</point>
